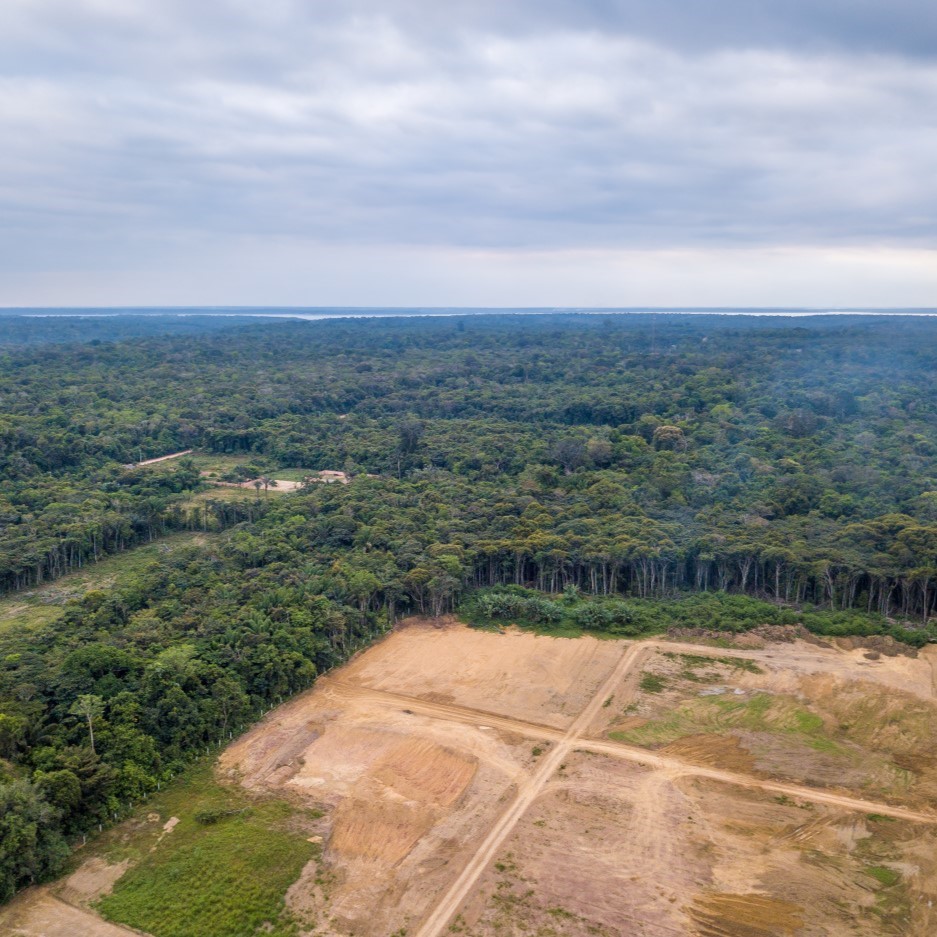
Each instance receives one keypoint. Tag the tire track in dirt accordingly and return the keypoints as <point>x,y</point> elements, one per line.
<point>573,738</point>
<point>528,792</point>
<point>677,768</point>
<point>658,806</point>
<point>450,711</point>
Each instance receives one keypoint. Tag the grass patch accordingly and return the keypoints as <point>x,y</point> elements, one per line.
<point>227,494</point>
<point>718,714</point>
<point>39,605</point>
<point>227,878</point>
<point>692,661</point>
<point>652,683</point>
<point>292,474</point>
<point>884,875</point>
<point>214,462</point>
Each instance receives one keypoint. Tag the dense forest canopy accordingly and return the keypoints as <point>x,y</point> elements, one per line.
<point>619,472</point>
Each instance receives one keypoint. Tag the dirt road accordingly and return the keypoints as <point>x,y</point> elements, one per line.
<point>338,689</point>
<point>439,917</point>
<point>468,776</point>
<point>40,914</point>
<point>575,738</point>
<point>675,768</point>
<point>163,458</point>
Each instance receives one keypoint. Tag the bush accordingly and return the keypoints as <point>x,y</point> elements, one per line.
<point>523,606</point>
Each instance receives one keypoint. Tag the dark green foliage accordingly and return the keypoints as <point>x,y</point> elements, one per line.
<point>31,845</point>
<point>198,645</point>
<point>563,473</point>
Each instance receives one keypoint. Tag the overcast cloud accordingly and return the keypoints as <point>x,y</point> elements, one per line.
<point>675,152</point>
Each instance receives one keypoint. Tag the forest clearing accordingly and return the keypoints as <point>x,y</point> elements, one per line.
<point>456,781</point>
<point>23,611</point>
<point>468,470</point>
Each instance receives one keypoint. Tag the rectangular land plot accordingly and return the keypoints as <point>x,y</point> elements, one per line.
<point>526,676</point>
<point>768,714</point>
<point>612,849</point>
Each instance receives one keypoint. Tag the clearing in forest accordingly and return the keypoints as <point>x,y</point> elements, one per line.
<point>454,781</point>
<point>31,608</point>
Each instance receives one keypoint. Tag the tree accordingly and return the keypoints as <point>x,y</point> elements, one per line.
<point>570,452</point>
<point>32,848</point>
<point>89,707</point>
<point>669,437</point>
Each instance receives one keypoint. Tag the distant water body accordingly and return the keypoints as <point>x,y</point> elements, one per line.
<point>364,312</point>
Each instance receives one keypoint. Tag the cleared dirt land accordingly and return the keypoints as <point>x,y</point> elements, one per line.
<point>511,784</point>
<point>491,784</point>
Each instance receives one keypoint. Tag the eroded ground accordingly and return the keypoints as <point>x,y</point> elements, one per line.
<point>412,786</point>
<point>517,674</point>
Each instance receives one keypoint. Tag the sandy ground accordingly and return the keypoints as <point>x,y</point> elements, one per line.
<point>40,914</point>
<point>469,786</point>
<point>408,795</point>
<point>916,675</point>
<point>163,458</point>
<point>546,680</point>
<point>62,910</point>
<point>281,485</point>
<point>877,736</point>
<point>617,849</point>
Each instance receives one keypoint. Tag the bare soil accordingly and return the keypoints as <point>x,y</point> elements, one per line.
<point>407,795</point>
<point>815,716</point>
<point>38,913</point>
<point>491,784</point>
<point>163,458</point>
<point>546,680</point>
<point>615,849</point>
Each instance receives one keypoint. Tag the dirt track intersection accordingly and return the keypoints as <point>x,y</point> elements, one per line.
<point>473,788</point>
<point>490,784</point>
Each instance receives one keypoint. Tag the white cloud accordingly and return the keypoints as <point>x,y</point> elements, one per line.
<point>131,128</point>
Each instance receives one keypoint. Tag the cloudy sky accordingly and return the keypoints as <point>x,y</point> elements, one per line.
<point>468,152</point>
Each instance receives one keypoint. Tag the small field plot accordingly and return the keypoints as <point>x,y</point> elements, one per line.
<point>611,849</point>
<point>248,495</point>
<point>292,474</point>
<point>202,859</point>
<point>212,463</point>
<point>31,608</point>
<point>210,859</point>
<point>526,676</point>
<point>603,851</point>
<point>777,861</point>
<point>753,716</point>
<point>406,798</point>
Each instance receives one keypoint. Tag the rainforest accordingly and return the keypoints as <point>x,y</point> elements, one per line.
<point>619,475</point>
